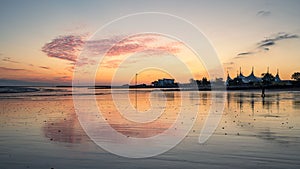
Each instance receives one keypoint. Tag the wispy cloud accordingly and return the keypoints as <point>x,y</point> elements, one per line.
<point>62,78</point>
<point>263,13</point>
<point>8,59</point>
<point>44,67</point>
<point>270,41</point>
<point>245,53</point>
<point>12,69</point>
<point>264,45</point>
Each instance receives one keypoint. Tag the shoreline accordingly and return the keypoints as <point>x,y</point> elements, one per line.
<point>26,89</point>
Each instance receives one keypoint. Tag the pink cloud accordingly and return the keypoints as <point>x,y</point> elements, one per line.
<point>124,49</point>
<point>142,43</point>
<point>101,46</point>
<point>111,63</point>
<point>68,47</point>
<point>64,47</point>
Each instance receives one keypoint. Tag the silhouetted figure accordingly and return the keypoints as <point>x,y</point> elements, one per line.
<point>263,92</point>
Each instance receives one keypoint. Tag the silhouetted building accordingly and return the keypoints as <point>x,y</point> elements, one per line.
<point>164,83</point>
<point>277,78</point>
<point>241,81</point>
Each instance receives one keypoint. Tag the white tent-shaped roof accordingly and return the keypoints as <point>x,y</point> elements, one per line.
<point>251,78</point>
<point>277,78</point>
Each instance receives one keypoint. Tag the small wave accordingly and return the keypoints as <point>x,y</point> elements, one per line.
<point>15,89</point>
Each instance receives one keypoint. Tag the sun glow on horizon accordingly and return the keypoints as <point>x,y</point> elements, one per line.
<point>151,56</point>
<point>42,46</point>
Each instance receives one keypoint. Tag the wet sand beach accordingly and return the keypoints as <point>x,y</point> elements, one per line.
<point>41,130</point>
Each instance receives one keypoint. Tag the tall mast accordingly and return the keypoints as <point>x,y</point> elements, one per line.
<point>136,79</point>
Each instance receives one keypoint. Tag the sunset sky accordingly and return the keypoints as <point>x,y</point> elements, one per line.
<point>41,40</point>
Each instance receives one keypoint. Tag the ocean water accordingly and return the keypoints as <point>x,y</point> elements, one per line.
<point>39,128</point>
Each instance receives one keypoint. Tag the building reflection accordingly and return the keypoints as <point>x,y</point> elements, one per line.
<point>261,116</point>
<point>269,115</point>
<point>252,103</point>
<point>251,100</point>
<point>296,104</point>
<point>204,98</point>
<point>143,102</point>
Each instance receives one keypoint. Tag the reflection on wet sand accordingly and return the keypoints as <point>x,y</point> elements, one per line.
<point>64,130</point>
<point>44,132</point>
<point>296,103</point>
<point>140,103</point>
<point>247,110</point>
<point>63,125</point>
<point>265,121</point>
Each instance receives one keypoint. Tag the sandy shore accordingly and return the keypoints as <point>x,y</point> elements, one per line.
<point>44,132</point>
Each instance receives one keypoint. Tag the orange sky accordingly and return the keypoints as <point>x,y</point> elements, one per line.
<point>40,45</point>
